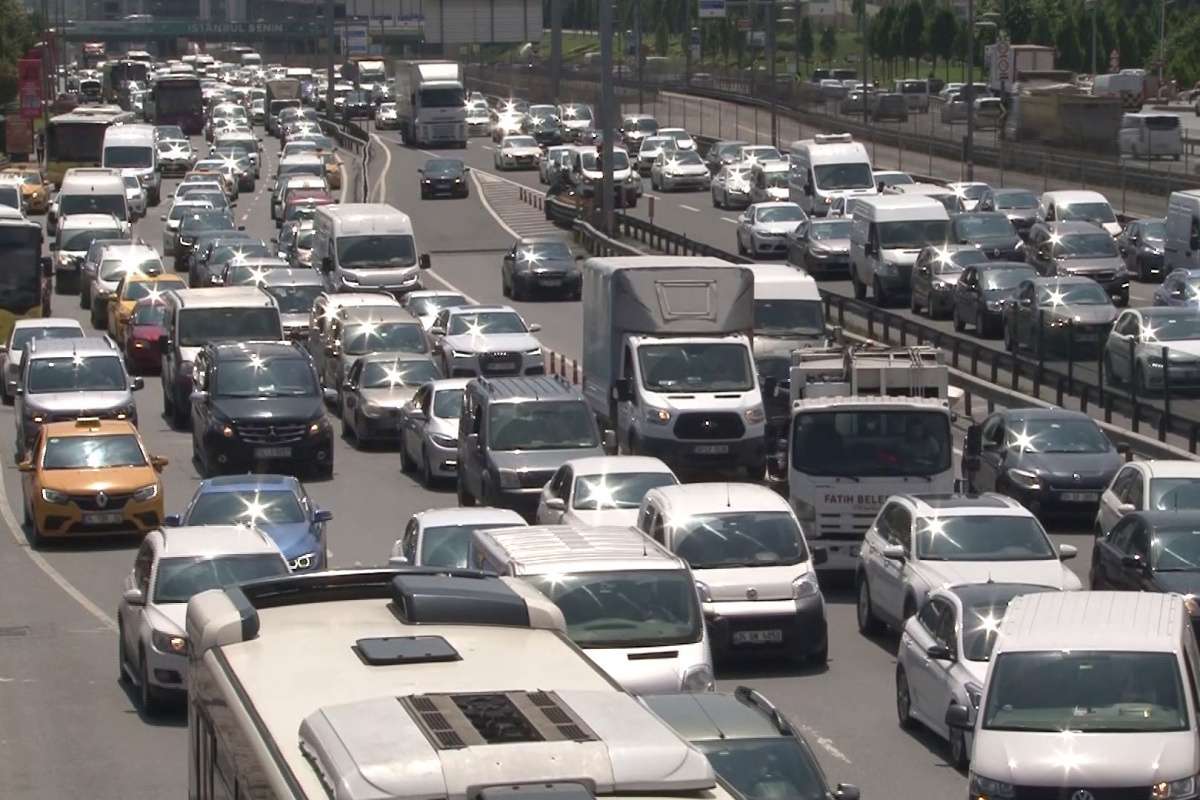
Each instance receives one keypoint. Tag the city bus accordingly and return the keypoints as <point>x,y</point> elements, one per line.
<point>76,139</point>
<point>24,281</point>
<point>176,99</point>
<point>91,55</point>
<point>118,74</point>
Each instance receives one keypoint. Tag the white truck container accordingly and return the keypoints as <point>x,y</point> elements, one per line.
<point>431,103</point>
<point>667,359</point>
<point>1007,62</point>
<point>865,424</point>
<point>827,167</point>
<point>1129,85</point>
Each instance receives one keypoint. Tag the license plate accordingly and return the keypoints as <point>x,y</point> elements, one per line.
<point>273,452</point>
<point>1079,497</point>
<point>758,637</point>
<point>551,281</point>
<point>711,449</point>
<point>104,518</point>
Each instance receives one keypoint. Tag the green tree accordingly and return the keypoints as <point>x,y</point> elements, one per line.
<point>913,41</point>
<point>881,35</point>
<point>1066,42</point>
<point>662,36</point>
<point>1041,29</point>
<point>805,43</point>
<point>828,44</point>
<point>1018,20</point>
<point>859,9</point>
<point>942,29</point>
<point>16,36</point>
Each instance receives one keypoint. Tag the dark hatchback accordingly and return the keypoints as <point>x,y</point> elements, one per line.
<point>1142,244</point>
<point>983,291</point>
<point>991,232</point>
<point>444,177</point>
<point>1019,205</point>
<point>935,274</point>
<point>1048,459</point>
<point>258,404</point>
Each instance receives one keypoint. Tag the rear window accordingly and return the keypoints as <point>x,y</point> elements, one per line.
<point>1163,123</point>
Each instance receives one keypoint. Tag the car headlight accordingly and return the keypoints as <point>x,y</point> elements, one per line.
<point>698,679</point>
<point>146,493</point>
<point>318,426</point>
<point>37,418</point>
<point>754,415</point>
<point>659,416</point>
<point>510,479</point>
<point>169,643</point>
<point>986,788</point>
<point>536,351</point>
<point>443,441</point>
<point>1182,789</point>
<point>461,354</point>
<point>55,497</point>
<point>805,586</point>
<point>302,561</point>
<point>1026,479</point>
<point>703,591</point>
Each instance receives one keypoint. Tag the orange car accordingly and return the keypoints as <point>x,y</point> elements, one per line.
<point>34,189</point>
<point>90,477</point>
<point>131,289</point>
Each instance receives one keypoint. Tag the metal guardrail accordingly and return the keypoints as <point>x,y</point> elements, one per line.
<point>351,137</point>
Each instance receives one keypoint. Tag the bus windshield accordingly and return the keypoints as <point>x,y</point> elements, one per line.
<point>20,279</point>
<point>871,443</point>
<point>75,141</point>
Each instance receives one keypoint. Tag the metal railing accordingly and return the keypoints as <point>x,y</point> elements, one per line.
<point>352,138</point>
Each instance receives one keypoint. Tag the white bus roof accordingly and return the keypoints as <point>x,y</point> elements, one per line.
<point>541,549</point>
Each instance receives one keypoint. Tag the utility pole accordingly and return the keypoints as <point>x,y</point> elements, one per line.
<point>969,90</point>
<point>1162,43</point>
<point>771,71</point>
<point>866,86</point>
<point>555,47</point>
<point>637,54</point>
<point>1091,6</point>
<point>607,113</point>
<point>330,42</point>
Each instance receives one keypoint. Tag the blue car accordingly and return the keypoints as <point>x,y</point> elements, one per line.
<point>1181,287</point>
<point>275,504</point>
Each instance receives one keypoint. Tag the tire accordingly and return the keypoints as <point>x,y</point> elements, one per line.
<point>505,286</point>
<point>868,623</point>
<point>427,477</point>
<point>880,296</point>
<point>821,657</point>
<point>1110,375</point>
<point>959,757</point>
<point>85,300</point>
<point>407,465</point>
<point>97,323</point>
<point>465,499</point>
<point>1143,271</point>
<point>913,304</point>
<point>959,325</point>
<point>860,290</point>
<point>122,675</point>
<point>148,697</point>
<point>1139,381</point>
<point>982,329</point>
<point>515,291</point>
<point>180,418</point>
<point>1010,344</point>
<point>903,700</point>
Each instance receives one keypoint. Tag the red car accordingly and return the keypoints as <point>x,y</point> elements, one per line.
<point>301,202</point>
<point>147,324</point>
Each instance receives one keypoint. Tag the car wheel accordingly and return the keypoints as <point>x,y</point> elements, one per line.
<point>122,672</point>
<point>515,291</point>
<point>1140,382</point>
<point>180,417</point>
<point>1010,344</point>
<point>867,622</point>
<point>1110,375</point>
<point>903,699</point>
<point>465,499</point>
<point>349,434</point>
<point>428,479</point>
<point>914,305</point>
<point>1143,271</point>
<point>959,325</point>
<point>881,298</point>
<point>149,698</point>
<point>406,463</point>
<point>958,749</point>
<point>97,322</point>
<point>85,299</point>
<point>982,329</point>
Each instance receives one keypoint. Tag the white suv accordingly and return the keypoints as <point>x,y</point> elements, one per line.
<point>488,341</point>
<point>172,565</point>
<point>754,571</point>
<point>919,542</point>
<point>1166,485</point>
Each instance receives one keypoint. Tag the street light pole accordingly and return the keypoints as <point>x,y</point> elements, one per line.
<point>1091,5</point>
<point>969,91</point>
<point>866,86</point>
<point>607,112</point>
<point>1162,42</point>
<point>637,44</point>
<point>771,70</point>
<point>329,45</point>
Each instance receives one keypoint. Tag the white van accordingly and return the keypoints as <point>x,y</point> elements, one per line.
<point>943,194</point>
<point>1088,694</point>
<point>367,246</point>
<point>1182,243</point>
<point>1150,135</point>
<point>133,149</point>
<point>628,602</point>
<point>826,167</point>
<point>1078,205</point>
<point>788,312</point>
<point>886,236</point>
<point>916,94</point>
<point>92,190</point>
<point>769,181</point>
<point>754,571</point>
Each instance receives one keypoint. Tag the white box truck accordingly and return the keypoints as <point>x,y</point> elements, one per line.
<point>667,360</point>
<point>431,103</point>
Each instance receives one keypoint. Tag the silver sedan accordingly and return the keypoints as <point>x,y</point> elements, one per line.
<point>429,430</point>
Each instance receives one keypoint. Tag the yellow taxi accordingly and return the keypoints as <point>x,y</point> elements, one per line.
<point>134,287</point>
<point>227,181</point>
<point>90,477</point>
<point>333,169</point>
<point>34,189</point>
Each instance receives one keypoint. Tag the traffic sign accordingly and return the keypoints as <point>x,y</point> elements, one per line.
<point>712,9</point>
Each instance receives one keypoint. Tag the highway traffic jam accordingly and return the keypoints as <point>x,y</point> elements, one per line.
<point>721,483</point>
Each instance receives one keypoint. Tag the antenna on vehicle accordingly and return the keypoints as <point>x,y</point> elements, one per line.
<point>728,502</point>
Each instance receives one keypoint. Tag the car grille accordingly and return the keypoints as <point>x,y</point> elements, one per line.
<point>1085,483</point>
<point>709,426</point>
<point>1098,277</point>
<point>500,363</point>
<point>272,433</point>
<point>848,526</point>
<point>88,502</point>
<point>1057,793</point>
<point>535,479</point>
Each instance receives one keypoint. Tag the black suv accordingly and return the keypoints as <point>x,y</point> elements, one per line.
<point>257,404</point>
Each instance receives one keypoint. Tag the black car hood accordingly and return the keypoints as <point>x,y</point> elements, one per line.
<point>243,409</point>
<point>1089,466</point>
<point>1179,582</point>
<point>1004,242</point>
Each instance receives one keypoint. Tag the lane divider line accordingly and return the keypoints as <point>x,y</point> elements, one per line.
<point>689,208</point>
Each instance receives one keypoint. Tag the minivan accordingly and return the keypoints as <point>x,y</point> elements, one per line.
<point>365,246</point>
<point>1182,243</point>
<point>133,150</point>
<point>89,190</point>
<point>629,603</point>
<point>1150,135</point>
<point>886,236</point>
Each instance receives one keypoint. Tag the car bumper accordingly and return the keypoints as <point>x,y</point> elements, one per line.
<point>234,454</point>
<point>443,461</point>
<point>684,181</point>
<point>523,501</point>
<point>384,427</point>
<point>470,367</point>
<point>567,283</point>
<point>450,189</point>
<point>769,245</point>
<point>716,454</point>
<point>838,264</point>
<point>147,358</point>
<point>69,521</point>
<point>796,627</point>
<point>166,670</point>
<point>1081,500</point>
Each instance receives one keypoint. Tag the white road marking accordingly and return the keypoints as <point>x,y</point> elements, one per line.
<point>690,208</point>
<point>825,742</point>
<point>654,196</point>
<point>488,206</point>
<point>489,148</point>
<point>380,186</point>
<point>729,219</point>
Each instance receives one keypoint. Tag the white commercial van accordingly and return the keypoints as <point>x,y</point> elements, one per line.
<point>1088,694</point>
<point>1150,135</point>
<point>1182,243</point>
<point>886,236</point>
<point>133,149</point>
<point>367,246</point>
<point>943,194</point>
<point>92,190</point>
<point>628,602</point>
<point>787,310</point>
<point>826,167</point>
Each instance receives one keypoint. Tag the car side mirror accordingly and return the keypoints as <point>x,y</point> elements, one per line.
<point>1133,561</point>
<point>424,261</point>
<point>959,717</point>
<point>133,597</point>
<point>939,652</point>
<point>199,396</point>
<point>137,384</point>
<point>555,504</point>
<point>535,327</point>
<point>241,227</point>
<point>610,441</point>
<point>846,791</point>
<point>25,466</point>
<point>159,462</point>
<point>322,515</point>
<point>437,330</point>
<point>162,218</point>
<point>329,395</point>
<point>1067,551</point>
<point>894,552</point>
<point>1126,508</point>
<point>623,388</point>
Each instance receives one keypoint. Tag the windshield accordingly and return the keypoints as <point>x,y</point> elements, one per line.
<point>997,280</point>
<point>1175,548</point>
<point>112,269</point>
<point>653,143</point>
<point>236,252</point>
<point>911,234</point>
<point>973,226</point>
<point>761,153</point>
<point>982,538</point>
<point>93,452</point>
<point>1075,294</point>
<point>366,252</point>
<point>616,491</point>
<point>442,98</point>
<point>835,177</point>
<point>430,305</point>
<point>443,166</point>
<point>81,238</point>
<point>486,322</point>
<point>775,180</point>
<point>1086,212</point>
<point>389,374</point>
<point>199,326</point>
<point>789,317</point>
<point>639,608</point>
<point>765,769</point>
<point>1087,692</point>
<point>153,313</point>
<point>447,403</point>
<point>690,158</point>
<point>871,443</point>
<point>1174,494</point>
<point>128,157</point>
<point>170,132</point>
<point>246,507</point>
<point>743,539</point>
<point>1155,230</point>
<point>1059,436</point>
<point>1085,245</point>
<point>825,230</point>
<point>541,425</point>
<point>265,377</point>
<point>571,112</point>
<point>544,251</point>
<point>140,290</point>
<point>206,221</point>
<point>699,367</point>
<point>180,578</point>
<point>520,141</point>
<point>1016,200</point>
<point>374,337</point>
<point>23,336</point>
<point>450,545</point>
<point>592,163</point>
<point>113,204</point>
<point>79,373</point>
<point>294,299</point>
